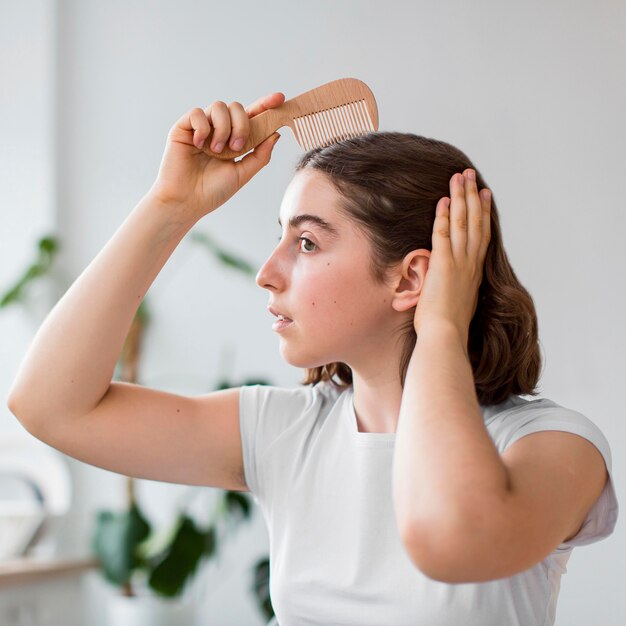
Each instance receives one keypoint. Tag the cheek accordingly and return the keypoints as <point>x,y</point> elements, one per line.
<point>335,295</point>
<point>324,290</point>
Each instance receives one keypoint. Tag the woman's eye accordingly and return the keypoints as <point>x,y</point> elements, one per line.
<point>307,241</point>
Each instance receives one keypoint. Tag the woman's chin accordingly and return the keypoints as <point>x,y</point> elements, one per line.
<point>300,360</point>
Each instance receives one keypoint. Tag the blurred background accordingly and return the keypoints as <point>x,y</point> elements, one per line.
<point>532,92</point>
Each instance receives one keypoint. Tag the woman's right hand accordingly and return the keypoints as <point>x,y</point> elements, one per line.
<point>198,183</point>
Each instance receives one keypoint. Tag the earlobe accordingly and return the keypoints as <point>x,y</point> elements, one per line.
<point>410,279</point>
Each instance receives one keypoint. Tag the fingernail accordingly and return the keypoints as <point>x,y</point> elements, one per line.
<point>238,145</point>
<point>471,174</point>
<point>276,137</point>
<point>462,180</point>
<point>219,147</point>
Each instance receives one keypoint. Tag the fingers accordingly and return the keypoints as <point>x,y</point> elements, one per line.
<point>475,216</point>
<point>232,122</point>
<point>240,126</point>
<point>192,127</point>
<point>219,117</point>
<point>264,103</point>
<point>458,215</point>
<point>485,198</point>
<point>441,228</point>
<point>463,221</point>
<point>229,124</point>
<point>470,219</point>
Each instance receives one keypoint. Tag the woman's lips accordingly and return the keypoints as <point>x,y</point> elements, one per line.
<point>280,325</point>
<point>282,322</point>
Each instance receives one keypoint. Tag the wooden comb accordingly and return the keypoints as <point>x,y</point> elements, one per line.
<point>338,110</point>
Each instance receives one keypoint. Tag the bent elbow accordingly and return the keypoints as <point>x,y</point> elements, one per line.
<point>14,405</point>
<point>431,557</point>
<point>451,555</point>
<point>18,408</point>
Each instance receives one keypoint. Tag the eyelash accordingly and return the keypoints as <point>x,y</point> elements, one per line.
<point>305,239</point>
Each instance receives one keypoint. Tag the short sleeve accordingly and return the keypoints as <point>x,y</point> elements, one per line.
<point>266,413</point>
<point>248,412</point>
<point>601,519</point>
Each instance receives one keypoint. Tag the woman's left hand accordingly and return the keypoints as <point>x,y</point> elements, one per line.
<point>461,235</point>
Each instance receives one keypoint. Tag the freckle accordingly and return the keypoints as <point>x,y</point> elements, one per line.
<point>177,410</point>
<point>335,301</point>
<point>313,303</point>
<point>327,263</point>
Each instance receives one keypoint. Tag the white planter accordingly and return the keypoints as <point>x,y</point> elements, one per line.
<point>149,611</point>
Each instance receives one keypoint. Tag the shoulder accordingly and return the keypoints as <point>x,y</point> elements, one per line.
<point>289,397</point>
<point>277,408</point>
<point>536,443</point>
<point>275,423</point>
<point>519,417</point>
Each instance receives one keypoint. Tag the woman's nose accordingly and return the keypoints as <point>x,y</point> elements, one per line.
<point>269,276</point>
<point>260,276</point>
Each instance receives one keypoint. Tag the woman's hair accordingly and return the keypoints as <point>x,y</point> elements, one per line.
<point>389,185</point>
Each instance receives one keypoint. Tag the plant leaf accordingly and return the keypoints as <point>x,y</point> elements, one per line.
<point>237,505</point>
<point>47,248</point>
<point>180,560</point>
<point>261,587</point>
<point>156,544</point>
<point>115,540</point>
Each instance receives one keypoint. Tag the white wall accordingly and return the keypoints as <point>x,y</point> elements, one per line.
<point>27,183</point>
<point>533,92</point>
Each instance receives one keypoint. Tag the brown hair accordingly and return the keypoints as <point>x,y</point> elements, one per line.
<point>389,185</point>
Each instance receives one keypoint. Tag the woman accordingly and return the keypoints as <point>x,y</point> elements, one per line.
<point>407,481</point>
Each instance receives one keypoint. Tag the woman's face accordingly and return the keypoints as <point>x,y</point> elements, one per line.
<point>323,282</point>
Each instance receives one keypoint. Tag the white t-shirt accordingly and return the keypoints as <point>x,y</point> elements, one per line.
<point>325,490</point>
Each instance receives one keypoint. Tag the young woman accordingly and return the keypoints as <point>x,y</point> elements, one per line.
<point>407,481</point>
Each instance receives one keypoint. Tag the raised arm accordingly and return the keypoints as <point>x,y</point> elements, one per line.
<point>63,391</point>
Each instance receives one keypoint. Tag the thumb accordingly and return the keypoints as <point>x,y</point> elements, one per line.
<point>257,159</point>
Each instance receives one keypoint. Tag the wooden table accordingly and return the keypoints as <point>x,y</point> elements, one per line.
<point>27,570</point>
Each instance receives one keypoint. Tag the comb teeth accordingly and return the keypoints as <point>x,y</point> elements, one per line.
<point>325,127</point>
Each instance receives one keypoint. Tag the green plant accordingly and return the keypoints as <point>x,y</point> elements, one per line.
<point>131,553</point>
<point>47,249</point>
<point>124,542</point>
<point>127,547</point>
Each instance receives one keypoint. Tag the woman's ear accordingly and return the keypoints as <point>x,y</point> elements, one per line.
<point>409,279</point>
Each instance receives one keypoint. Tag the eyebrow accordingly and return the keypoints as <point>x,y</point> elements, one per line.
<point>297,220</point>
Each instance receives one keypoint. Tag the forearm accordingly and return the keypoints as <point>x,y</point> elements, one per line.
<point>71,360</point>
<point>446,467</point>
